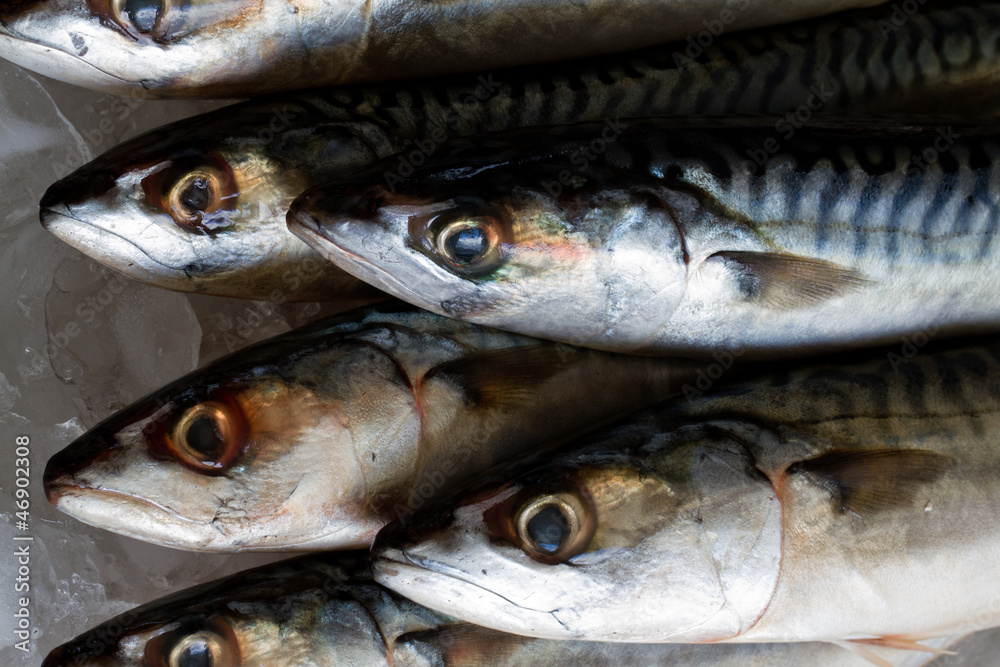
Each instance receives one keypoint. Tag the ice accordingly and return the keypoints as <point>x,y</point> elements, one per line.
<point>78,342</point>
<point>114,338</point>
<point>231,324</point>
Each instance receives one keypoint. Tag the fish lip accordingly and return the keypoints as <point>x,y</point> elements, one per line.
<point>307,228</point>
<point>56,489</point>
<point>69,490</point>
<point>435,568</point>
<point>46,60</point>
<point>46,214</point>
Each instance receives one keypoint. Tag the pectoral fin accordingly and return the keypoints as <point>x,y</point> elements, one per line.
<point>867,481</point>
<point>504,378</point>
<point>860,648</point>
<point>785,281</point>
<point>901,643</point>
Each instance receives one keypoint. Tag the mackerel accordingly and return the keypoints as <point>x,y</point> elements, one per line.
<point>199,205</point>
<point>694,236</point>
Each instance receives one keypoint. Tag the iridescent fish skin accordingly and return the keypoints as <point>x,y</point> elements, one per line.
<point>319,437</point>
<point>257,156</point>
<point>667,236</point>
<point>833,501</point>
<point>240,48</point>
<point>322,610</point>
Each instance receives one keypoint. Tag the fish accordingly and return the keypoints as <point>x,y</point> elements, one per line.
<point>316,438</point>
<point>199,205</point>
<point>844,500</point>
<point>325,609</point>
<point>241,48</point>
<point>686,236</point>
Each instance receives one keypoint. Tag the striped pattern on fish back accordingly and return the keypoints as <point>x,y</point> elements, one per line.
<point>869,195</point>
<point>915,381</point>
<point>851,61</point>
<point>866,61</point>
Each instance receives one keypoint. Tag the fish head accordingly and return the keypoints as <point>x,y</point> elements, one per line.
<point>295,612</point>
<point>489,234</point>
<point>682,553</point>
<point>198,206</point>
<point>154,48</point>
<point>288,445</point>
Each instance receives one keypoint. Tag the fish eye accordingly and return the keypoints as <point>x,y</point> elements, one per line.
<point>553,528</point>
<point>201,649</point>
<point>195,196</point>
<point>470,244</point>
<point>143,14</point>
<point>208,436</point>
<point>198,189</point>
<point>205,643</point>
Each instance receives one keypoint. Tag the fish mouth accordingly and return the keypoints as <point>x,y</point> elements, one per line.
<point>158,524</point>
<point>109,248</point>
<point>307,228</point>
<point>166,527</point>
<point>438,586</point>
<point>57,64</point>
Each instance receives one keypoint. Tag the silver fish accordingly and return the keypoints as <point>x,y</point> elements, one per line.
<point>199,205</point>
<point>238,48</point>
<point>849,501</point>
<point>322,610</point>
<point>319,437</point>
<point>669,236</point>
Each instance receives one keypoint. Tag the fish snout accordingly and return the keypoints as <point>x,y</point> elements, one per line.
<point>61,470</point>
<point>78,653</point>
<point>410,530</point>
<point>67,654</point>
<point>56,482</point>
<point>77,188</point>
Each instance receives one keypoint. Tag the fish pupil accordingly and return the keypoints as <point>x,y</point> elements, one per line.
<point>467,244</point>
<point>548,528</point>
<point>204,438</point>
<point>143,13</point>
<point>196,195</point>
<point>195,654</point>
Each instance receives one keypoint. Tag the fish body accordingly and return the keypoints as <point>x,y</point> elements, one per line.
<point>669,236</point>
<point>199,205</point>
<point>318,437</point>
<point>848,501</point>
<point>325,609</point>
<point>238,48</point>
